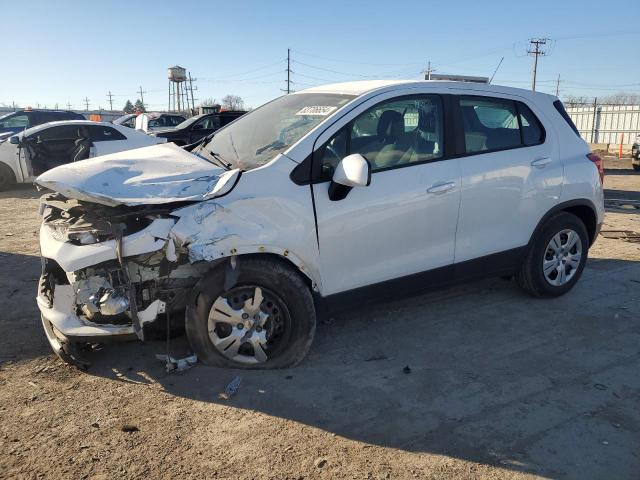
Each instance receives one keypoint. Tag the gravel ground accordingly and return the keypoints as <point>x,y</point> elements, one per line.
<point>500,385</point>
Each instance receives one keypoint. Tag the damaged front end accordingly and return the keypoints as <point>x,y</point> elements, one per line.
<point>108,272</point>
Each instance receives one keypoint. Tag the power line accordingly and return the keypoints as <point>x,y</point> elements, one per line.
<point>536,52</point>
<point>243,73</point>
<point>352,62</point>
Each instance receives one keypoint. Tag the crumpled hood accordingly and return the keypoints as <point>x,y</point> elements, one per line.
<point>153,175</point>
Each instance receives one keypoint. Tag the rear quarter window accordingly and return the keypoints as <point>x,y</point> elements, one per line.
<point>561,110</point>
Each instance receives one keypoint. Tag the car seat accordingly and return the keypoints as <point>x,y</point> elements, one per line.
<point>82,145</point>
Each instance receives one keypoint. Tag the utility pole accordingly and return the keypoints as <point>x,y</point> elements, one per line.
<point>13,104</point>
<point>193,103</point>
<point>68,106</point>
<point>536,52</point>
<point>141,96</point>
<point>289,70</point>
<point>110,96</point>
<point>86,103</point>
<point>558,86</point>
<point>429,71</point>
<point>56,106</point>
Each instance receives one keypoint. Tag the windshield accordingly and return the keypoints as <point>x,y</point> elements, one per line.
<point>258,136</point>
<point>189,121</point>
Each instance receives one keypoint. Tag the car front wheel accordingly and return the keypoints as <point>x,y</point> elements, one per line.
<point>7,178</point>
<point>556,257</point>
<point>265,320</point>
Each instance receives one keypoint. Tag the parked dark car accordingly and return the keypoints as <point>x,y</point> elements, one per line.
<point>198,127</point>
<point>15,122</point>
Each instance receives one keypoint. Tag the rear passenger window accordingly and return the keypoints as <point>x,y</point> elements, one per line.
<point>532,131</point>
<point>489,124</point>
<point>498,124</point>
<point>104,134</point>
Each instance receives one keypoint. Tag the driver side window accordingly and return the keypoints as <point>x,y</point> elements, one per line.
<point>392,134</point>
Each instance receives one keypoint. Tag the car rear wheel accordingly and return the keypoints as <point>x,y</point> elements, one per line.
<point>7,178</point>
<point>265,320</point>
<point>556,257</point>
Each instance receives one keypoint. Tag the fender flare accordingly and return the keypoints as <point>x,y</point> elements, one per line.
<point>579,202</point>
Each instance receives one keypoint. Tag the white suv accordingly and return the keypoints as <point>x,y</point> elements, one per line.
<point>331,196</point>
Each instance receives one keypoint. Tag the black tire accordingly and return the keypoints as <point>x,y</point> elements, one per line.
<point>531,277</point>
<point>7,178</point>
<point>272,275</point>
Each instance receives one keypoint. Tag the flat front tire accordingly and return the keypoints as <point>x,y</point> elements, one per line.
<point>556,257</point>
<point>265,319</point>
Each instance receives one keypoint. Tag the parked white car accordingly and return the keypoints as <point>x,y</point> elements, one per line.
<point>26,155</point>
<point>149,122</point>
<point>325,198</point>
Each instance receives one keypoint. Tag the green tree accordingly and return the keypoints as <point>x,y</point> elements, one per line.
<point>128,107</point>
<point>139,106</point>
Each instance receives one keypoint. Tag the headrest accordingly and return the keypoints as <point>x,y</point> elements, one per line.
<point>390,125</point>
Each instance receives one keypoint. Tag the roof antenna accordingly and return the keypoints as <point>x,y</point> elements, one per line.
<point>496,70</point>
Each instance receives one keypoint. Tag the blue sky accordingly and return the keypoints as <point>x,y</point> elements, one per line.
<point>63,51</point>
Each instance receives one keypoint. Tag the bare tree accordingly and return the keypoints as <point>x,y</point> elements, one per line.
<point>209,102</point>
<point>621,98</point>
<point>232,102</point>
<point>577,101</point>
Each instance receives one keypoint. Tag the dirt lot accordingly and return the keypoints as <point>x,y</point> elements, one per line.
<point>501,385</point>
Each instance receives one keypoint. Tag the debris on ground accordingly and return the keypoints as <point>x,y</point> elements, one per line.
<point>320,462</point>
<point>177,364</point>
<point>376,357</point>
<point>626,235</point>
<point>406,369</point>
<point>129,428</point>
<point>600,386</point>
<point>231,389</point>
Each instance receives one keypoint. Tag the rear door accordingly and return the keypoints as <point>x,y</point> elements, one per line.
<point>404,222</point>
<point>511,174</point>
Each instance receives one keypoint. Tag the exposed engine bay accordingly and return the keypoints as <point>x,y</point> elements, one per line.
<point>119,296</point>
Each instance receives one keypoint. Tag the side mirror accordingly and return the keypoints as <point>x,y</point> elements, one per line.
<point>353,171</point>
<point>14,140</point>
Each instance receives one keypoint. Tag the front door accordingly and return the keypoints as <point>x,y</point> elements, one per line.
<point>404,222</point>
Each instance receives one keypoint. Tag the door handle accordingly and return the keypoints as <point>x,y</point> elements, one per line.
<point>541,162</point>
<point>441,187</point>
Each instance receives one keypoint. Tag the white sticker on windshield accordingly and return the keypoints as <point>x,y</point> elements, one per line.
<point>318,110</point>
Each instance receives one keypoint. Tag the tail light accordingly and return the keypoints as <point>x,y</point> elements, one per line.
<point>599,165</point>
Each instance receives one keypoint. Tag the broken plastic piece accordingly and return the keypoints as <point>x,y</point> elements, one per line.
<point>231,389</point>
<point>177,364</point>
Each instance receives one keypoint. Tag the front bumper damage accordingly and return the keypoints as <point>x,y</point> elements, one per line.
<point>107,273</point>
